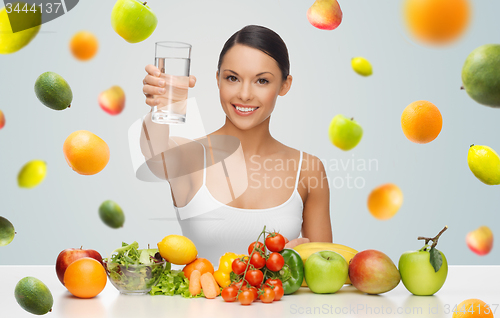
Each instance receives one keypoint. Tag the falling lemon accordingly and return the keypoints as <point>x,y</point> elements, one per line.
<point>484,164</point>
<point>7,231</point>
<point>32,174</point>
<point>177,249</point>
<point>361,66</point>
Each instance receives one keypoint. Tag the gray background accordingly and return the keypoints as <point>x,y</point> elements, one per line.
<point>439,189</point>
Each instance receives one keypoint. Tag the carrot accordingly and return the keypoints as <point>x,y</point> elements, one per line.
<point>194,282</point>
<point>210,287</point>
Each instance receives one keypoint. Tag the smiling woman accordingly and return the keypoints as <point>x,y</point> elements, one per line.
<point>209,176</point>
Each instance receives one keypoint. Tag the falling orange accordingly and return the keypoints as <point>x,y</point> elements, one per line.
<point>84,45</point>
<point>385,201</point>
<point>437,22</point>
<point>421,122</point>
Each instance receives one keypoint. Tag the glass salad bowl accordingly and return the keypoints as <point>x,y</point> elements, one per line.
<point>134,279</point>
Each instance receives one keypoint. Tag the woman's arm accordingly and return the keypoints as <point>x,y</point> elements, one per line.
<point>316,224</point>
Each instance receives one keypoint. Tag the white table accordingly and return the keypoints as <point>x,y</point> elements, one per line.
<point>463,282</point>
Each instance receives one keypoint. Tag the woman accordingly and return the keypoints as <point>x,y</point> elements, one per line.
<point>253,70</point>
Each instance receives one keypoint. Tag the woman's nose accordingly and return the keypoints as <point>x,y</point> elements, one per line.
<point>245,92</point>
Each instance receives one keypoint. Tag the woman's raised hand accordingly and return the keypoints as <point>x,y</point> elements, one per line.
<point>161,88</point>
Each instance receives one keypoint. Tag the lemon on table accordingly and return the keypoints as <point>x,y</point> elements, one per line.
<point>361,66</point>
<point>11,42</point>
<point>32,174</point>
<point>484,164</point>
<point>177,249</point>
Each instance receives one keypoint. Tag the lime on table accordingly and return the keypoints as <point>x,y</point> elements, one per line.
<point>32,174</point>
<point>33,296</point>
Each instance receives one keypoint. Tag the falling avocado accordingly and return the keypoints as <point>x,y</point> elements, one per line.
<point>53,91</point>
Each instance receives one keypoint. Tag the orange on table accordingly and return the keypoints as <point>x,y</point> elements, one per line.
<point>421,122</point>
<point>85,152</point>
<point>85,278</point>
<point>84,45</point>
<point>437,21</point>
<point>201,264</point>
<point>384,201</point>
<point>472,308</point>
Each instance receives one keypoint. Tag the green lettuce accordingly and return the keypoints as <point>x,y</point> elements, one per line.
<point>173,282</point>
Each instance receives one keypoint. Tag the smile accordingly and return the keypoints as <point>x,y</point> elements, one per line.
<point>244,110</point>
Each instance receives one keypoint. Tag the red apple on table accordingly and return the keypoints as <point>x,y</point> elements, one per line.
<point>112,100</point>
<point>70,255</point>
<point>325,14</point>
<point>480,241</point>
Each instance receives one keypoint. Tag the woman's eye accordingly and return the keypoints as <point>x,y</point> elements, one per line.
<point>231,78</point>
<point>262,81</point>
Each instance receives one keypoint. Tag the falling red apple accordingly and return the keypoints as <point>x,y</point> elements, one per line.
<point>70,255</point>
<point>112,100</point>
<point>480,241</point>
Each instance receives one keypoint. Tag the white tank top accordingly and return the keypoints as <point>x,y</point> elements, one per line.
<point>229,229</point>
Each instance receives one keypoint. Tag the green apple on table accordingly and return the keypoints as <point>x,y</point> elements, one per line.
<point>424,271</point>
<point>344,133</point>
<point>325,272</point>
<point>133,20</point>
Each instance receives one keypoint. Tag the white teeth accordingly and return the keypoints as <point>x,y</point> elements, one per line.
<point>246,109</point>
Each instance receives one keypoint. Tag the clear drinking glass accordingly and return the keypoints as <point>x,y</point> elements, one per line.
<point>173,60</point>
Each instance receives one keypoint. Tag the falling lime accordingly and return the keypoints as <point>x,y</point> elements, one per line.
<point>32,174</point>
<point>111,214</point>
<point>7,231</point>
<point>361,66</point>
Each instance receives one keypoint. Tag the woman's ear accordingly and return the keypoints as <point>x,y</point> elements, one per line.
<point>217,77</point>
<point>285,86</point>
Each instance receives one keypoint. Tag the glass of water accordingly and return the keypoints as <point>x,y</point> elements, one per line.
<point>173,60</point>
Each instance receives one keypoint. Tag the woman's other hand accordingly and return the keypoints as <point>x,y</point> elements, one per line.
<point>295,242</point>
<point>158,86</point>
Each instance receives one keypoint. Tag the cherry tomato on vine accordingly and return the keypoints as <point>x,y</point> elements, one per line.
<point>275,262</point>
<point>255,293</point>
<point>254,277</point>
<point>246,297</point>
<point>275,242</point>
<point>238,266</point>
<point>278,292</point>
<point>258,261</point>
<point>268,295</point>
<point>274,281</point>
<point>238,284</point>
<point>259,245</point>
<point>229,293</point>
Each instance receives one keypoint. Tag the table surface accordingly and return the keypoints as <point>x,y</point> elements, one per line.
<point>463,282</point>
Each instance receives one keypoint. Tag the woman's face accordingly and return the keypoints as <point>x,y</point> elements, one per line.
<point>249,82</point>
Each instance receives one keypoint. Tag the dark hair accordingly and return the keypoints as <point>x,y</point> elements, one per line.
<point>261,38</point>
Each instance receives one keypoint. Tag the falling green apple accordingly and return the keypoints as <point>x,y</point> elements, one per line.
<point>344,133</point>
<point>133,20</point>
<point>424,272</point>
